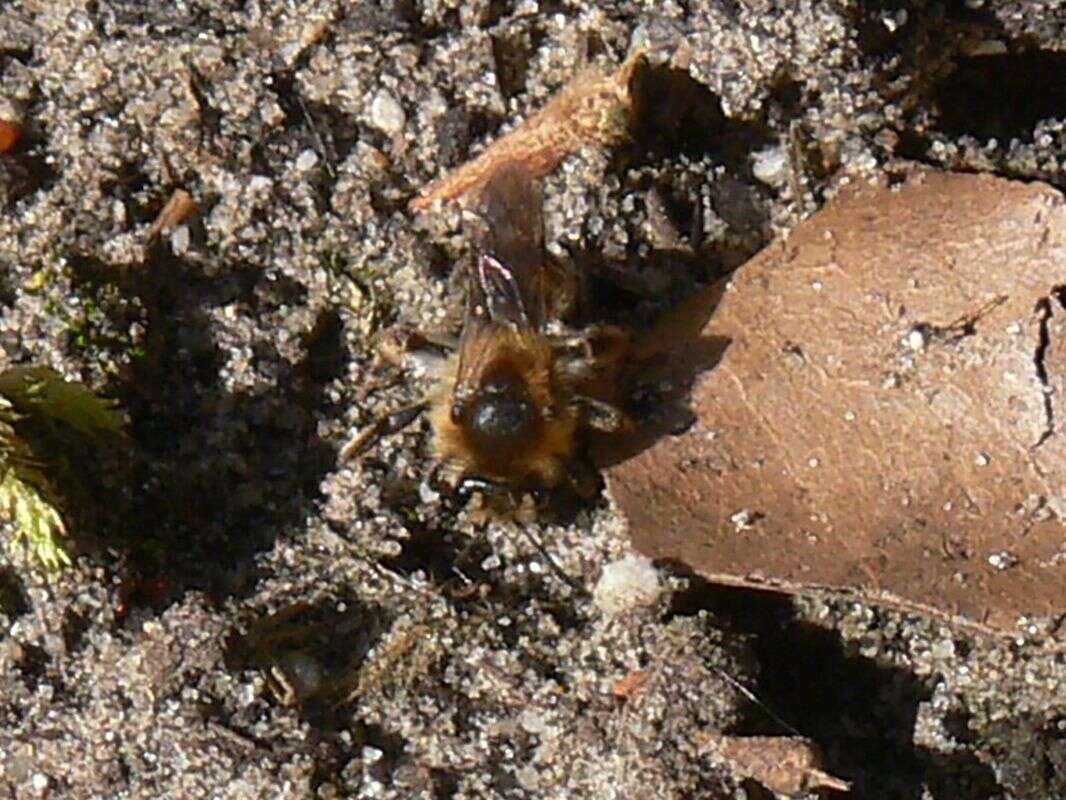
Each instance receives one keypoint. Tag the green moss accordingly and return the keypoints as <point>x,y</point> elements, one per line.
<point>33,402</point>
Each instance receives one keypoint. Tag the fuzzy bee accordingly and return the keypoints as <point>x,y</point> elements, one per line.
<point>517,401</point>
<point>521,397</point>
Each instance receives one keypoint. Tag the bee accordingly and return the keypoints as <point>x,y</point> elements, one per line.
<point>521,395</point>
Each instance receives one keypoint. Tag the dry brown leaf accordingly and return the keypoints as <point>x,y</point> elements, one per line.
<point>783,764</point>
<point>887,418</point>
<point>591,110</point>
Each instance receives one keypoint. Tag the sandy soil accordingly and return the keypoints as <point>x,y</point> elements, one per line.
<point>247,617</point>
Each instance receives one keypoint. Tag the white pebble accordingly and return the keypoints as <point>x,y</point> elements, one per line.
<point>386,114</point>
<point>260,183</point>
<point>945,648</point>
<point>626,584</point>
<point>744,519</point>
<point>179,240</point>
<point>427,494</point>
<point>532,721</point>
<point>306,160</point>
<point>770,166</point>
<point>1003,560</point>
<point>917,339</point>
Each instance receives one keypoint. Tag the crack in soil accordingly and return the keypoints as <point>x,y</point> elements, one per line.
<point>1045,309</point>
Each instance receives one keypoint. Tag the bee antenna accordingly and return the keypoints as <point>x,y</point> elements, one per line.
<point>552,563</point>
<point>752,697</point>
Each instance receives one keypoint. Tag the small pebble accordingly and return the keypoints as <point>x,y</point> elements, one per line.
<point>179,240</point>
<point>386,114</point>
<point>1003,560</point>
<point>770,166</point>
<point>917,339</point>
<point>743,519</point>
<point>260,183</point>
<point>625,584</point>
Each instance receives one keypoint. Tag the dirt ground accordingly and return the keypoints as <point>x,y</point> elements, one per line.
<point>248,617</point>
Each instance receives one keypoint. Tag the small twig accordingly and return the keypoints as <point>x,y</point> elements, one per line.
<point>796,166</point>
<point>591,110</point>
<point>326,157</point>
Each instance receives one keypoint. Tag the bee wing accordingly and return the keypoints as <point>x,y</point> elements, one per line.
<point>510,271</point>
<point>506,284</point>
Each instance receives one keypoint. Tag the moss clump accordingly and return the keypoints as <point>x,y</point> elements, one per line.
<point>38,411</point>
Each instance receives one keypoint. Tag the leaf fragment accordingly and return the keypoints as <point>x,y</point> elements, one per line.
<point>783,764</point>
<point>24,491</point>
<point>179,208</point>
<point>592,109</point>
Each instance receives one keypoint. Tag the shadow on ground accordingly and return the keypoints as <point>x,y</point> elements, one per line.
<point>210,477</point>
<point>966,76</point>
<point>861,713</point>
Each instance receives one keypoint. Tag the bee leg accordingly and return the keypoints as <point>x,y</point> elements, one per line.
<point>384,425</point>
<point>413,351</point>
<point>441,341</point>
<point>582,478</point>
<point>602,416</point>
<point>596,343</point>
